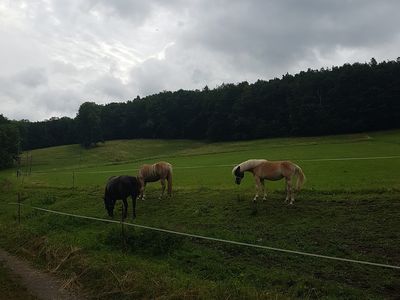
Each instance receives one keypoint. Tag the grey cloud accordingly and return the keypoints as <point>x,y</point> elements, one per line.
<point>109,88</point>
<point>153,75</point>
<point>59,102</point>
<point>60,67</point>
<point>23,102</point>
<point>274,34</point>
<point>135,11</point>
<point>17,87</point>
<point>199,76</point>
<point>33,77</point>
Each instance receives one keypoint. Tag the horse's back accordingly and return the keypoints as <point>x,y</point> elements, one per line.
<point>112,182</point>
<point>155,172</point>
<point>163,168</point>
<point>144,168</point>
<point>164,164</point>
<point>121,186</point>
<point>275,170</point>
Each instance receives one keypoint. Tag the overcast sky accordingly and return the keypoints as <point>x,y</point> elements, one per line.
<point>57,54</point>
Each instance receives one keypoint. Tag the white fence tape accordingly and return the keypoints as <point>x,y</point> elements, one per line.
<point>216,239</point>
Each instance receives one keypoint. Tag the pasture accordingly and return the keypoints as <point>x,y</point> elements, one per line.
<point>349,208</point>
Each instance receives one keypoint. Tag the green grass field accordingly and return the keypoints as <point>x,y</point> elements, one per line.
<point>349,208</point>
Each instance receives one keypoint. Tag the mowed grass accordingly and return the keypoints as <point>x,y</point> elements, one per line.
<point>349,208</point>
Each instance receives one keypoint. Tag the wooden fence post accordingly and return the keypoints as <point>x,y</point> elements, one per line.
<point>26,164</point>
<point>30,164</point>
<point>123,235</point>
<point>19,208</point>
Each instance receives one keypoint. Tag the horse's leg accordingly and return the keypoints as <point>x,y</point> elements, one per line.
<point>141,188</point>
<point>134,196</point>
<point>292,191</point>
<point>125,209</point>
<point>287,189</point>
<point>264,190</point>
<point>169,179</point>
<point>289,192</point>
<point>162,187</point>
<point>142,191</point>
<point>258,187</point>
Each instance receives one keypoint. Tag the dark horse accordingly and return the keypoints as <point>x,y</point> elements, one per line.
<point>121,187</point>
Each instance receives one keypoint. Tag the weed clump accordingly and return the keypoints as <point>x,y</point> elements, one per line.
<point>48,199</point>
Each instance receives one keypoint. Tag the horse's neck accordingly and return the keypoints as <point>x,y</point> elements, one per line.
<point>250,164</point>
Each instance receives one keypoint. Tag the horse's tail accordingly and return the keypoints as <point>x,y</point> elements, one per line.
<point>140,180</point>
<point>301,178</point>
<point>169,178</point>
<point>105,194</point>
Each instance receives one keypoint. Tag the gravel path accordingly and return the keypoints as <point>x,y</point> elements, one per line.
<point>40,284</point>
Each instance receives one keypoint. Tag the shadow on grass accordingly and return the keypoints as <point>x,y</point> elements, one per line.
<point>143,242</point>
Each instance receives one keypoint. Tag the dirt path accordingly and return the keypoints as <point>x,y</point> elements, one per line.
<point>42,285</point>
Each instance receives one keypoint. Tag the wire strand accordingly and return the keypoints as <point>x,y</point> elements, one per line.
<point>215,239</point>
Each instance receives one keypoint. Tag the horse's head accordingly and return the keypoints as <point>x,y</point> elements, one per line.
<point>109,204</point>
<point>238,174</point>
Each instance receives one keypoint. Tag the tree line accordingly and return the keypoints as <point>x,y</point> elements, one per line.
<point>350,98</point>
<point>9,143</point>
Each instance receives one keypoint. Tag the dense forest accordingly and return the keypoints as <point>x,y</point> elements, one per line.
<point>351,98</point>
<point>9,143</point>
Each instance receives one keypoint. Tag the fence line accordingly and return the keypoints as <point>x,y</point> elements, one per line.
<point>214,239</point>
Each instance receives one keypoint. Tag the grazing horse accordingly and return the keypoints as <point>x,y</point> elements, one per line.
<point>121,187</point>
<point>271,170</point>
<point>151,173</point>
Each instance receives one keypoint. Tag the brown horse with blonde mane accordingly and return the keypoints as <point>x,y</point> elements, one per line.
<point>159,171</point>
<point>271,170</point>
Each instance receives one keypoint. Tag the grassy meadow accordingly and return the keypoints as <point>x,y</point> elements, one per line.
<point>349,208</point>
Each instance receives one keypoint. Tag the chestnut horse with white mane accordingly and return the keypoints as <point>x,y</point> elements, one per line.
<point>159,171</point>
<point>271,170</point>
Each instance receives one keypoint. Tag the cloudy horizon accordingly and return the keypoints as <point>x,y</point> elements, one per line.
<point>55,55</point>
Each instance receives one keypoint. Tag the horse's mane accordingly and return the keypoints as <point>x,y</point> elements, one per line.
<point>248,165</point>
